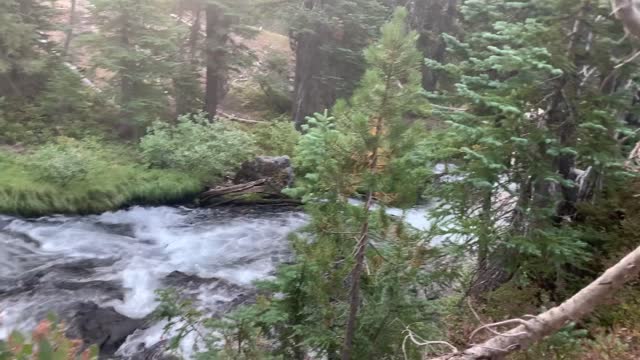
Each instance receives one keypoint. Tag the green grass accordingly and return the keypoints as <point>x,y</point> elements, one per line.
<point>120,181</point>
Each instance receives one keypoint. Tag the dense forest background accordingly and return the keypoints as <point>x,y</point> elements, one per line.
<point>515,121</point>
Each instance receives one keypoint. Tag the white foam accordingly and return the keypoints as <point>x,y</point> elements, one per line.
<point>150,243</point>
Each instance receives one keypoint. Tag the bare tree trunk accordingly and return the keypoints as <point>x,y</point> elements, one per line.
<point>354,300</point>
<point>69,32</point>
<point>216,63</point>
<point>431,19</point>
<point>627,12</point>
<point>536,328</point>
<point>127,88</point>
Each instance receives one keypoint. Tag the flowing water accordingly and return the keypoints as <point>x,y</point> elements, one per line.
<point>78,266</point>
<point>119,259</point>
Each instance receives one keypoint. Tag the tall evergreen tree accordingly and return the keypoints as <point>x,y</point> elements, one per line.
<point>136,42</point>
<point>22,39</point>
<point>528,105</point>
<point>360,148</point>
<point>328,37</point>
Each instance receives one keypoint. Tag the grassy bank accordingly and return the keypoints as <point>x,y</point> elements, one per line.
<point>115,180</point>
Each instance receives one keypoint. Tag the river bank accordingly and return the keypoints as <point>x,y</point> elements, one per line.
<point>110,183</point>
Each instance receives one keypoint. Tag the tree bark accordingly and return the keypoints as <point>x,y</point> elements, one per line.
<point>431,19</point>
<point>69,32</point>
<point>627,12</point>
<point>217,36</point>
<point>194,35</point>
<point>549,322</point>
<point>312,93</point>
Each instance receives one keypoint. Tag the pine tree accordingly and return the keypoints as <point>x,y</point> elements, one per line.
<point>136,42</point>
<point>328,37</point>
<point>359,149</point>
<point>22,33</point>
<point>527,106</point>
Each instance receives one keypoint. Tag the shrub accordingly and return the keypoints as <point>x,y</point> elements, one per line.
<point>274,81</point>
<point>210,149</point>
<point>111,177</point>
<point>277,138</point>
<point>48,342</point>
<point>63,162</point>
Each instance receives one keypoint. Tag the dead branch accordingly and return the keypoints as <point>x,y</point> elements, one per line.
<point>417,340</point>
<point>239,119</point>
<point>574,309</point>
<point>627,12</point>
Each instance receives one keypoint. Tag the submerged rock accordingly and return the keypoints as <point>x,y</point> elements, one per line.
<point>63,276</point>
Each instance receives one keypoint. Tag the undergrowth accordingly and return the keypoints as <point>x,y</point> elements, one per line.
<point>114,179</point>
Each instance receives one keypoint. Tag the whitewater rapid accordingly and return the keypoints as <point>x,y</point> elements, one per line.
<point>119,259</point>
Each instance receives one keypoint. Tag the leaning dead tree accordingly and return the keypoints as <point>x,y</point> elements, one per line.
<point>628,13</point>
<point>531,329</point>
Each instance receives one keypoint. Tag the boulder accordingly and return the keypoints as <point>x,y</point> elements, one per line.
<point>277,171</point>
<point>258,182</point>
<point>104,327</point>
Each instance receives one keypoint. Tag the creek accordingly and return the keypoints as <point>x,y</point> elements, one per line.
<point>102,271</point>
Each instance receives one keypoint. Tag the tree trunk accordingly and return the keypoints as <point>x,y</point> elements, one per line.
<point>431,19</point>
<point>574,309</point>
<point>69,32</point>
<point>127,88</point>
<point>363,242</point>
<point>312,91</point>
<point>217,37</point>
<point>186,79</point>
<point>194,35</point>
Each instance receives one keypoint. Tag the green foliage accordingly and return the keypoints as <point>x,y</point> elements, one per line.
<point>137,42</point>
<point>20,25</point>
<point>195,145</point>
<point>305,308</point>
<point>273,79</point>
<point>111,178</point>
<point>64,106</point>
<point>48,343</point>
<point>275,138</point>
<point>65,161</point>
<point>514,130</point>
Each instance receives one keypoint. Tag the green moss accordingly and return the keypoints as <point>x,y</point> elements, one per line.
<point>118,182</point>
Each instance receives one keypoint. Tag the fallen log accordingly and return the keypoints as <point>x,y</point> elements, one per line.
<point>258,182</point>
<point>532,329</point>
<point>224,190</point>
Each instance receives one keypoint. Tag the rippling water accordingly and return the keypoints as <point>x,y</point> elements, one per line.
<point>120,258</point>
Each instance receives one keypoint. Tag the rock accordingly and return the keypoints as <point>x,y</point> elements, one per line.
<point>156,352</point>
<point>180,280</point>
<point>258,182</point>
<point>277,171</point>
<point>192,286</point>
<point>104,327</point>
